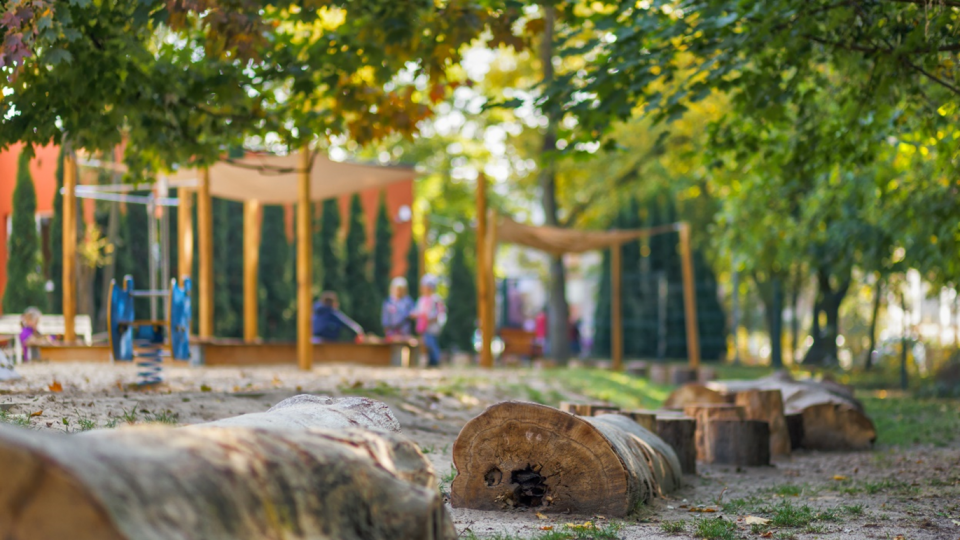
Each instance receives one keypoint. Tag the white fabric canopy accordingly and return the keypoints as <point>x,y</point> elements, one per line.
<point>273,179</point>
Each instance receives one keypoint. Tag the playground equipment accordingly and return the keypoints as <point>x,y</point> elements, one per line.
<point>149,340</point>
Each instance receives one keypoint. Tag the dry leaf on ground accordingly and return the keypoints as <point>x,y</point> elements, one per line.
<point>56,387</point>
<point>750,520</point>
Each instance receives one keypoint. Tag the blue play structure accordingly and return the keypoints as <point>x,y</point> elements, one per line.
<point>149,341</point>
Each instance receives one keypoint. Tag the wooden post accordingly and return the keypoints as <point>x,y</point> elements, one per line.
<point>184,233</point>
<point>483,284</point>
<point>69,247</point>
<point>205,231</point>
<point>490,258</point>
<point>689,298</point>
<point>251,263</point>
<point>304,274</point>
<point>616,313</point>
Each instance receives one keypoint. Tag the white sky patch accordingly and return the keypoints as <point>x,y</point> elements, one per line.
<point>476,62</point>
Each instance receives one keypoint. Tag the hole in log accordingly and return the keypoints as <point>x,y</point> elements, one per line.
<point>531,487</point>
<point>493,477</point>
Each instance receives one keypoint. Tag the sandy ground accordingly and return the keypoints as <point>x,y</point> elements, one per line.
<point>913,493</point>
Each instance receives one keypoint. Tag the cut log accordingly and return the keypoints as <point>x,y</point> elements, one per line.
<point>680,433</point>
<point>795,428</point>
<point>659,373</point>
<point>637,368</point>
<point>705,375</point>
<point>682,375</point>
<point>587,409</point>
<point>527,455</point>
<point>705,413</point>
<point>646,419</point>
<point>767,405</point>
<point>745,443</point>
<point>844,426</point>
<point>692,394</point>
<point>308,468</point>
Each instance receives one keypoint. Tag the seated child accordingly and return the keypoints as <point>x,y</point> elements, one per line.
<point>30,336</point>
<point>329,322</point>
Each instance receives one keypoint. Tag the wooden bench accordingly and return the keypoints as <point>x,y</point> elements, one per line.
<point>50,325</point>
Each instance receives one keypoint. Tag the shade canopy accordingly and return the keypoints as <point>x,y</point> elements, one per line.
<point>273,179</point>
<point>557,241</point>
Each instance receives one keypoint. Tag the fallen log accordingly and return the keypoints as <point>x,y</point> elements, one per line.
<point>527,455</point>
<point>587,409</point>
<point>646,419</point>
<point>767,405</point>
<point>744,443</point>
<point>832,418</point>
<point>309,468</point>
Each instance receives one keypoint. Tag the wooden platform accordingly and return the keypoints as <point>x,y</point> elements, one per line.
<point>237,353</point>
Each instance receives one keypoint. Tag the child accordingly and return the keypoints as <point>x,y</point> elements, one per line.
<point>430,315</point>
<point>397,311</point>
<point>30,336</point>
<point>329,321</point>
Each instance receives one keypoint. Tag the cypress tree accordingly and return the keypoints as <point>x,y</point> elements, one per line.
<point>276,292</point>
<point>25,283</point>
<point>601,319</point>
<point>457,333</point>
<point>137,259</point>
<point>413,269</point>
<point>382,251</point>
<point>329,247</point>
<point>360,300</point>
<point>228,268</point>
<point>55,266</point>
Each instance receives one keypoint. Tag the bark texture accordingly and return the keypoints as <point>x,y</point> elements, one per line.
<point>767,405</point>
<point>528,455</point>
<point>744,443</point>
<point>680,433</point>
<point>706,413</point>
<point>310,468</point>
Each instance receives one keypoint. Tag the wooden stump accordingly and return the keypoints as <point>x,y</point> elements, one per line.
<point>795,428</point>
<point>646,419</point>
<point>705,375</point>
<point>767,405</point>
<point>679,432</point>
<point>680,375</point>
<point>706,413</point>
<point>342,474</point>
<point>637,368</point>
<point>693,394</point>
<point>744,443</point>
<point>528,455</point>
<point>587,409</point>
<point>829,426</point>
<point>659,373</point>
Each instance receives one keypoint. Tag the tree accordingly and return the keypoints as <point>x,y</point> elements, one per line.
<point>275,274</point>
<point>457,333</point>
<point>228,265</point>
<point>382,251</point>
<point>25,283</point>
<point>329,247</point>
<point>413,269</point>
<point>359,298</point>
<point>55,266</point>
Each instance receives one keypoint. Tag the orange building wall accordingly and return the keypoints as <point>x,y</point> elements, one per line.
<point>43,167</point>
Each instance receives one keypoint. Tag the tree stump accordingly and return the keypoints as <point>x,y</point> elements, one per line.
<point>637,368</point>
<point>308,468</point>
<point>830,426</point>
<point>767,405</point>
<point>693,394</point>
<point>795,428</point>
<point>659,373</point>
<point>706,413</point>
<point>705,375</point>
<point>528,455</point>
<point>745,443</point>
<point>679,432</point>
<point>680,375</point>
<point>646,419</point>
<point>587,409</point>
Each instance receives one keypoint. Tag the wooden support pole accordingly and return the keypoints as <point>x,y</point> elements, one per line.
<point>689,298</point>
<point>184,233</point>
<point>304,274</point>
<point>205,231</point>
<point>616,313</point>
<point>490,257</point>
<point>486,333</point>
<point>251,263</point>
<point>69,247</point>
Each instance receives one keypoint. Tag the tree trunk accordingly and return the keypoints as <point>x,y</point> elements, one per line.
<point>771,293</point>
<point>903,343</point>
<point>795,289</point>
<point>877,297</point>
<point>823,352</point>
<point>307,469</point>
<point>533,456</point>
<point>558,315</point>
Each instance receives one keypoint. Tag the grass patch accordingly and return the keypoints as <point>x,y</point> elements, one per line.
<point>569,531</point>
<point>624,391</point>
<point>788,515</point>
<point>15,419</point>
<point>736,506</point>
<point>673,527</point>
<point>852,509</point>
<point>447,479</point>
<point>165,417</point>
<point>714,528</point>
<point>904,421</point>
